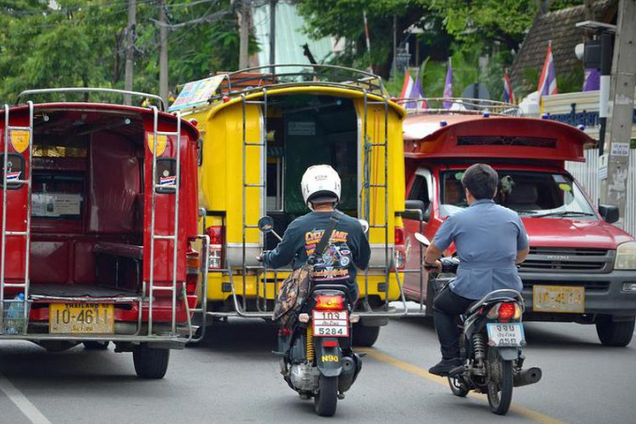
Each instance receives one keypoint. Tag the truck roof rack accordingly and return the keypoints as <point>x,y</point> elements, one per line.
<point>75,90</point>
<point>248,80</point>
<point>458,106</point>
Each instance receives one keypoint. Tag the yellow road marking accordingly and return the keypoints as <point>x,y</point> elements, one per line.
<point>421,372</point>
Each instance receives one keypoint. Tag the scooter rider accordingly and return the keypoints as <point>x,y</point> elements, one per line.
<point>348,247</point>
<point>490,241</point>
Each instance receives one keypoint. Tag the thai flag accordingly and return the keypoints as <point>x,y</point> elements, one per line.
<point>13,176</point>
<point>448,86</point>
<point>407,87</point>
<point>547,81</point>
<point>508,95</point>
<point>168,181</point>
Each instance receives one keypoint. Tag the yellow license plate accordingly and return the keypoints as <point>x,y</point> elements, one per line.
<point>84,318</point>
<point>558,299</point>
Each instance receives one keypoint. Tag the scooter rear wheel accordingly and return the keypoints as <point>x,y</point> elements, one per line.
<point>500,383</point>
<point>326,400</point>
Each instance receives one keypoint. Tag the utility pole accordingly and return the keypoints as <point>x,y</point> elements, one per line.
<point>130,49</point>
<point>272,34</point>
<point>244,22</point>
<point>163,52</point>
<point>614,187</point>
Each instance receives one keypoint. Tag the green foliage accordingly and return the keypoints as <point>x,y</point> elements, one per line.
<point>83,43</point>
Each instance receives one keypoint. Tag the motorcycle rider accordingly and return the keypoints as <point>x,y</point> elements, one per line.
<point>348,247</point>
<point>490,241</point>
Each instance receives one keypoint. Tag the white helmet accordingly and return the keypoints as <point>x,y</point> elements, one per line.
<point>320,184</point>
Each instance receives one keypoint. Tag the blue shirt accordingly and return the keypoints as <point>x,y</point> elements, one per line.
<point>487,237</point>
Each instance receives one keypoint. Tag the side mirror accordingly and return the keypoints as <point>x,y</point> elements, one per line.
<point>365,225</point>
<point>610,213</point>
<point>266,224</point>
<point>421,238</point>
<point>416,209</point>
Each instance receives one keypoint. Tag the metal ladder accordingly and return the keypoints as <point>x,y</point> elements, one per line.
<point>174,236</point>
<point>368,187</point>
<point>26,233</point>
<point>260,185</point>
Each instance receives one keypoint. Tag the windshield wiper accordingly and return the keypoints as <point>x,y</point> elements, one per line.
<point>562,214</point>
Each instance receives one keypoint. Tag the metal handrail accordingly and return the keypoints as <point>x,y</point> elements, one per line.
<point>310,77</point>
<point>459,105</point>
<point>92,90</point>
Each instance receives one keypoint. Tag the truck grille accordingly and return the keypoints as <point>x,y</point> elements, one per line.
<point>590,286</point>
<point>568,260</point>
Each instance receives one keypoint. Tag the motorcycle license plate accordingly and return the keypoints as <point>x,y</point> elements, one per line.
<point>331,323</point>
<point>506,335</point>
<point>83,318</point>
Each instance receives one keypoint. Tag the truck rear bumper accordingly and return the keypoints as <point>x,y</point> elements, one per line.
<point>604,293</point>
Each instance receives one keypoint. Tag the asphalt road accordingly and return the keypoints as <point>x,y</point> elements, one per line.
<point>233,378</point>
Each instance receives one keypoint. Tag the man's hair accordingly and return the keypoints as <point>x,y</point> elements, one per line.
<point>481,180</point>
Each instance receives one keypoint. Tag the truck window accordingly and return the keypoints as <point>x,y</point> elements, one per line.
<point>529,193</point>
<point>419,191</point>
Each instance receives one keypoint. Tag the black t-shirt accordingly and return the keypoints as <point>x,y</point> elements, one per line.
<point>348,247</point>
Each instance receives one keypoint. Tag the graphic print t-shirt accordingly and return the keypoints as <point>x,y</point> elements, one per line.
<point>348,247</point>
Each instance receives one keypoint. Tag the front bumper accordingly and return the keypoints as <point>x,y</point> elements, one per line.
<point>604,293</point>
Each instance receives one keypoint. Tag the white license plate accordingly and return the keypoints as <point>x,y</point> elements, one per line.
<point>506,335</point>
<point>331,323</point>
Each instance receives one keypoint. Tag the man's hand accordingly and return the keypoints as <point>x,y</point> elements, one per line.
<point>433,267</point>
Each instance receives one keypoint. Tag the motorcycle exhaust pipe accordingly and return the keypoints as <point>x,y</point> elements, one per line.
<point>345,381</point>
<point>527,377</point>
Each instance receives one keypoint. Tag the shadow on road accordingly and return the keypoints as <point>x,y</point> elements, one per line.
<point>253,337</point>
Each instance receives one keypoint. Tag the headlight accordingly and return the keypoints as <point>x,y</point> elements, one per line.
<point>626,256</point>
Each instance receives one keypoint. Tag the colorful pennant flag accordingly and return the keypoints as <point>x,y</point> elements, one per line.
<point>547,81</point>
<point>448,86</point>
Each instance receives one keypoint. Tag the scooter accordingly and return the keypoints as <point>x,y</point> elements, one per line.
<point>490,346</point>
<point>317,360</point>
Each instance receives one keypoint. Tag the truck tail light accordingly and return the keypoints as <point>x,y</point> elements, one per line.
<point>216,246</point>
<point>329,302</point>
<point>400,251</point>
<point>193,264</point>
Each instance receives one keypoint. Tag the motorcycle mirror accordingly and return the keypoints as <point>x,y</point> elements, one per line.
<point>266,224</point>
<point>365,225</point>
<point>422,239</point>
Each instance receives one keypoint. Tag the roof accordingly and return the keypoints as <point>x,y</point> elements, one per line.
<point>560,28</point>
<point>290,36</point>
<point>470,136</point>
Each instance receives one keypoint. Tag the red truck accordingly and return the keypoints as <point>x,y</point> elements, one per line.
<point>580,267</point>
<point>98,219</point>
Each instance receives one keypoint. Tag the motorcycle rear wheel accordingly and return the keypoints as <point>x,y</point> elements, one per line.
<point>326,400</point>
<point>458,386</point>
<point>500,383</point>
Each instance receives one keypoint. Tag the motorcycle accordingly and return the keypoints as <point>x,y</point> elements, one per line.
<point>492,335</point>
<point>317,359</point>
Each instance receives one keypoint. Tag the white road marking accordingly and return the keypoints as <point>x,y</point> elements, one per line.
<point>24,405</point>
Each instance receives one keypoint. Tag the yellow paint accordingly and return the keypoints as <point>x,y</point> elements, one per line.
<point>421,372</point>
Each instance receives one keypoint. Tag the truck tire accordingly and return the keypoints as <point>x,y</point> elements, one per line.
<point>151,363</point>
<point>615,333</point>
<point>365,336</point>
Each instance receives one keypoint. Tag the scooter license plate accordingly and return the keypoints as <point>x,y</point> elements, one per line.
<point>506,335</point>
<point>331,323</point>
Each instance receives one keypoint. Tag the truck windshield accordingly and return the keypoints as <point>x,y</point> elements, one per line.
<point>531,194</point>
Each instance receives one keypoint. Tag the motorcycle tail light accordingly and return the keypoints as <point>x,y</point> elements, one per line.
<point>330,343</point>
<point>329,302</point>
<point>303,317</point>
<point>509,311</point>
